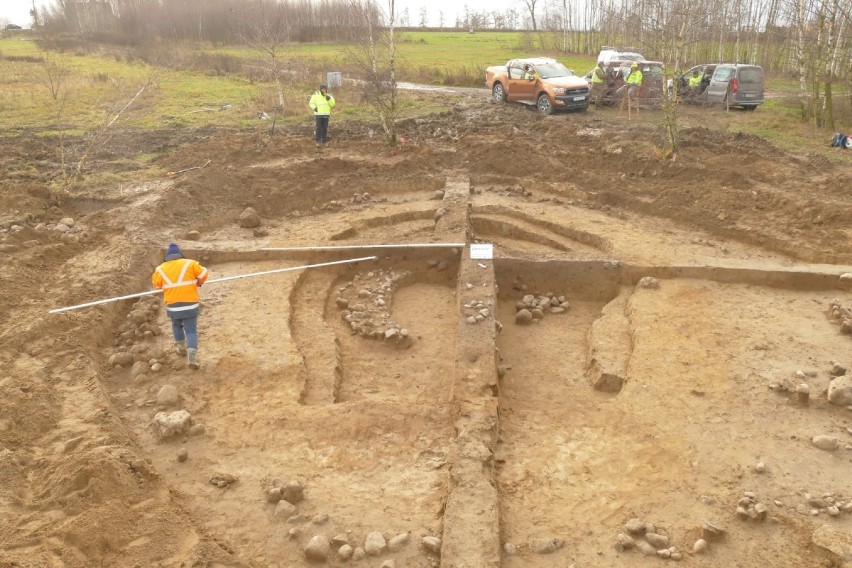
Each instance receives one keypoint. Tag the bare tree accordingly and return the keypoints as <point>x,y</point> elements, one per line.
<point>424,16</point>
<point>530,5</point>
<point>56,80</point>
<point>440,18</point>
<point>265,27</point>
<point>375,55</point>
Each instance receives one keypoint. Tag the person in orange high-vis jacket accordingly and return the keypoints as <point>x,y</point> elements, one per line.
<point>179,278</point>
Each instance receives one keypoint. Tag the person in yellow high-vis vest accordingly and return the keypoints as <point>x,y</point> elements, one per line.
<point>179,279</point>
<point>321,103</point>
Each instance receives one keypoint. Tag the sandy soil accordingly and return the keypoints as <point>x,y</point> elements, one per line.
<point>487,435</point>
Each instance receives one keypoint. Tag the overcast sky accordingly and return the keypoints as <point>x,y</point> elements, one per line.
<point>17,11</point>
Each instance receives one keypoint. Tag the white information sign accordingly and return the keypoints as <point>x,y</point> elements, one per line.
<point>481,251</point>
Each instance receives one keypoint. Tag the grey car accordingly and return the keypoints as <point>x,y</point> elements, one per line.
<point>736,85</point>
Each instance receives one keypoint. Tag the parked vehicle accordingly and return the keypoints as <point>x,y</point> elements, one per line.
<point>705,71</point>
<point>540,81</point>
<point>617,70</point>
<point>608,54</point>
<point>736,85</point>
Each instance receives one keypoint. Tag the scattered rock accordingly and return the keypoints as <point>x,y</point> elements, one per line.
<point>546,546</point>
<point>249,218</point>
<point>840,391</point>
<point>635,526</point>
<point>138,368</point>
<point>432,544</point>
<point>67,221</point>
<point>340,539</point>
<point>182,455</point>
<point>358,554</point>
<point>649,282</point>
<point>645,547</point>
<point>760,467</point>
<point>837,370</point>
<point>284,509</point>
<point>657,540</point>
<point>700,546</point>
<point>375,545</point>
<point>192,236</point>
<point>825,442</point>
<point>294,492</point>
<point>273,495</point>
<point>836,542</point>
<point>168,424</point>
<point>345,552</point>
<point>222,480</point>
<point>122,359</point>
<point>712,532</point>
<point>318,549</point>
<point>320,519</point>
<point>197,430</point>
<point>398,542</point>
<point>623,542</point>
<point>523,316</point>
<point>167,396</point>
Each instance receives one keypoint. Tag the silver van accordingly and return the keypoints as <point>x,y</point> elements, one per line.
<point>736,85</point>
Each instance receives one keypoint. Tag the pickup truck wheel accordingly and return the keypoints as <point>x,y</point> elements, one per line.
<point>498,93</point>
<point>543,104</point>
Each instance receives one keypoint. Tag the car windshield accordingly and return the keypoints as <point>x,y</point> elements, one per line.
<point>552,70</point>
<point>631,56</point>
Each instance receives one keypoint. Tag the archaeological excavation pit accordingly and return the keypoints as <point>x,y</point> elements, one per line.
<point>519,410</point>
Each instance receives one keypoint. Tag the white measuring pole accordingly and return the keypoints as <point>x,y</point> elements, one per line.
<point>215,280</point>
<point>355,247</point>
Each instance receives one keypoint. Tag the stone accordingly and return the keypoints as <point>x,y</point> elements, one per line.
<point>223,480</point>
<point>358,554</point>
<point>700,546</point>
<point>742,513</point>
<point>471,320</point>
<point>840,391</point>
<point>138,368</point>
<point>645,548</point>
<point>635,526</point>
<point>249,218</point>
<point>832,511</point>
<point>67,221</point>
<point>649,282</point>
<point>273,495</point>
<point>657,540</point>
<point>299,519</point>
<point>546,546</point>
<point>837,370</point>
<point>168,424</point>
<point>192,236</point>
<point>760,511</point>
<point>431,544</point>
<point>294,492</point>
<point>318,548</point>
<point>375,544</point>
<point>182,455</point>
<point>340,539</point>
<point>167,396</point>
<point>438,194</point>
<point>537,313</point>
<point>825,442</point>
<point>523,316</point>
<point>342,303</point>
<point>624,542</point>
<point>711,531</point>
<point>284,509</point>
<point>345,552</point>
<point>557,310</point>
<point>391,563</point>
<point>510,549</point>
<point>836,542</point>
<point>664,553</point>
<point>398,542</point>
<point>62,228</point>
<point>197,430</point>
<point>320,519</point>
<point>122,359</point>
<point>760,467</point>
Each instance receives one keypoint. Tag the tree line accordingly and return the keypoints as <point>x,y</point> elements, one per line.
<point>808,40</point>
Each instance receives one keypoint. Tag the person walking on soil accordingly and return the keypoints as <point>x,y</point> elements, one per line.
<point>179,278</point>
<point>631,85</point>
<point>321,103</point>
<point>599,83</point>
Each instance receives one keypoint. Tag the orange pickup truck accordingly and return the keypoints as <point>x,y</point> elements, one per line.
<point>539,81</point>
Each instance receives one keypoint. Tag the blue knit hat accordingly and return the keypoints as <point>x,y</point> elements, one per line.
<point>173,252</point>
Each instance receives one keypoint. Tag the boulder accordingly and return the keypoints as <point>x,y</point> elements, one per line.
<point>284,509</point>
<point>523,316</point>
<point>249,218</point>
<point>840,391</point>
<point>168,424</point>
<point>375,545</point>
<point>294,492</point>
<point>318,548</point>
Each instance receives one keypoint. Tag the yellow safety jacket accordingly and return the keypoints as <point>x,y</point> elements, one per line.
<point>179,279</point>
<point>320,105</point>
<point>695,80</point>
<point>598,75</point>
<point>635,77</point>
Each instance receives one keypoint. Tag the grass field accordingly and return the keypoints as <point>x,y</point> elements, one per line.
<point>100,83</point>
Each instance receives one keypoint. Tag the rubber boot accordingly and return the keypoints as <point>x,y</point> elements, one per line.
<point>181,347</point>
<point>192,357</point>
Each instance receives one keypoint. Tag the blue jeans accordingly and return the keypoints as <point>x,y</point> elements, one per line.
<point>186,328</point>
